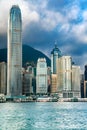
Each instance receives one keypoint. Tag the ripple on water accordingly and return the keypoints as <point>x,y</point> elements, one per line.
<point>43,116</point>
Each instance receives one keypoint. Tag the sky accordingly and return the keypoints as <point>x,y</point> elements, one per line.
<point>47,21</point>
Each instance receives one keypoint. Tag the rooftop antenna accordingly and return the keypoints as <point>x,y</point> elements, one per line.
<point>55,43</point>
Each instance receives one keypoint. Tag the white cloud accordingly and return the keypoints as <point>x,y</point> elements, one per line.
<point>27,14</point>
<point>72,12</point>
<point>65,27</point>
<point>80,32</point>
<point>37,12</point>
<point>85,16</point>
<point>51,19</point>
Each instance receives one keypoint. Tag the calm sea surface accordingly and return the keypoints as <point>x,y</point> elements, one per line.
<point>43,116</point>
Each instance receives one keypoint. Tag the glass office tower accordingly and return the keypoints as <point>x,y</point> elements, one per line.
<point>14,77</point>
<point>55,54</point>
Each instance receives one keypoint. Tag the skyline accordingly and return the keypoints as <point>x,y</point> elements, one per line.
<point>45,22</point>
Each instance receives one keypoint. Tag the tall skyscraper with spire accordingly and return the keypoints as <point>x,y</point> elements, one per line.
<point>14,76</point>
<point>55,54</point>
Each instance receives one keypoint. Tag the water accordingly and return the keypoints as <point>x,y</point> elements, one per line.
<point>43,116</point>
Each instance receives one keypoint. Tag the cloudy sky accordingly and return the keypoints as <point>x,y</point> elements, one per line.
<point>47,21</point>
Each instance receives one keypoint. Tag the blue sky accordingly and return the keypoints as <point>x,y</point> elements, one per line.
<point>47,21</point>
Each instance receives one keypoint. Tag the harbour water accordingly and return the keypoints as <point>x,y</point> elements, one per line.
<point>43,116</point>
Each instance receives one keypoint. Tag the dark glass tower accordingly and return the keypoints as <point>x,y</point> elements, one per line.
<point>14,77</point>
<point>85,82</point>
<point>55,54</point>
<point>85,72</point>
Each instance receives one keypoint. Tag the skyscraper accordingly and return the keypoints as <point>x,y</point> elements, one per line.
<point>76,81</point>
<point>85,82</point>
<point>55,54</point>
<point>75,78</point>
<point>14,77</point>
<point>41,76</point>
<point>64,75</point>
<point>85,73</point>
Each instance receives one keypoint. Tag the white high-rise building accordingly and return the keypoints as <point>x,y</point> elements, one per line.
<point>41,76</point>
<point>68,78</point>
<point>64,73</point>
<point>64,70</point>
<point>14,76</point>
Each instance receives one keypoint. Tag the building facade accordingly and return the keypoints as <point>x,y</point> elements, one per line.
<point>49,79</point>
<point>29,81</point>
<point>27,84</point>
<point>3,78</point>
<point>85,89</point>
<point>14,74</point>
<point>41,76</point>
<point>54,83</point>
<point>76,81</point>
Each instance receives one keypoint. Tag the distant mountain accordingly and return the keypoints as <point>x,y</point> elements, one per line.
<point>30,55</point>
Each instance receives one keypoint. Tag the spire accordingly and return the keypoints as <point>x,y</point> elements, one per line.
<point>55,44</point>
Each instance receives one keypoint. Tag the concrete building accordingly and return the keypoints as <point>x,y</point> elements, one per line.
<point>14,68</point>
<point>27,88</point>
<point>85,89</point>
<point>64,76</point>
<point>64,73</point>
<point>41,76</point>
<point>67,80</point>
<point>29,81</point>
<point>54,88</point>
<point>3,78</point>
<point>49,79</point>
<point>55,54</point>
<point>76,81</point>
